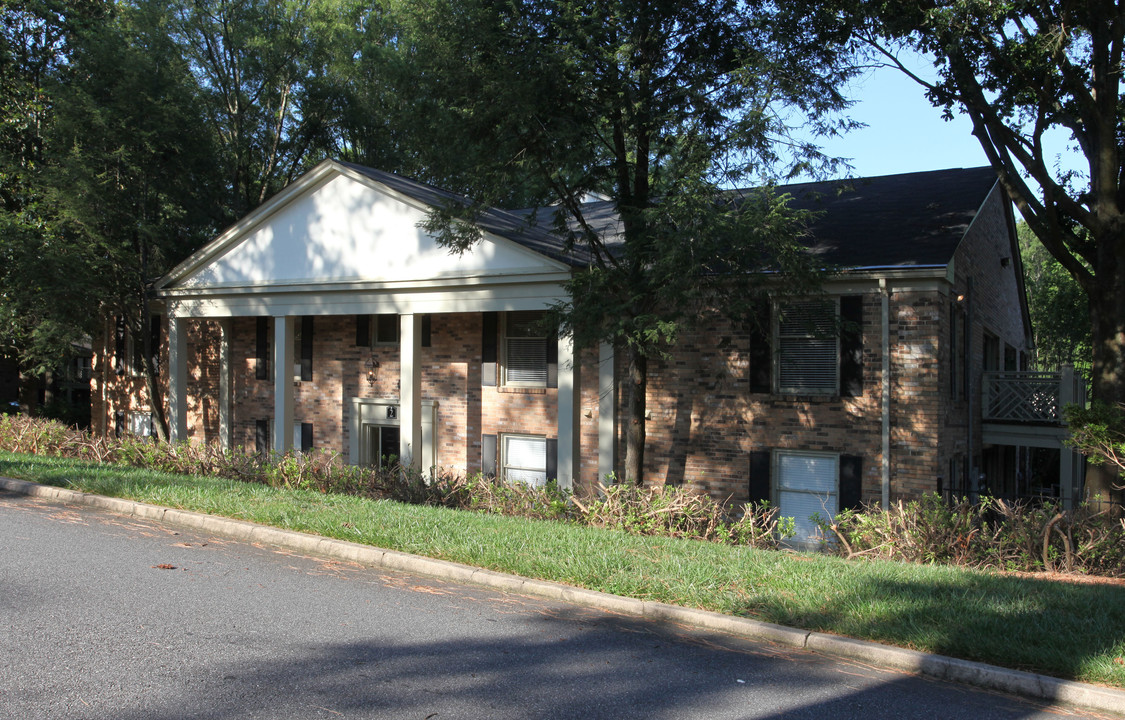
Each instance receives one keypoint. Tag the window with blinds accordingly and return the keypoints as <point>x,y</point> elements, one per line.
<point>524,459</point>
<point>808,347</point>
<point>806,486</point>
<point>525,350</point>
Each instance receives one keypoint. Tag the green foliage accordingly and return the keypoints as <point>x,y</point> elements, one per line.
<point>991,534</point>
<point>673,512</point>
<point>659,107</point>
<point>680,512</point>
<point>1098,432</point>
<point>1059,309</point>
<point>272,77</point>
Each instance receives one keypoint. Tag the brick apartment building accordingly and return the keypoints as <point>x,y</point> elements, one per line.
<point>327,318</point>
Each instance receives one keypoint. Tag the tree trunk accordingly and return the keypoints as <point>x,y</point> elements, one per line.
<point>1107,315</point>
<point>149,370</point>
<point>635,423</point>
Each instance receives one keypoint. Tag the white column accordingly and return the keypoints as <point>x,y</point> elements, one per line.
<point>607,412</point>
<point>569,407</point>
<point>177,379</point>
<point>410,390</point>
<point>283,355</point>
<point>224,384</point>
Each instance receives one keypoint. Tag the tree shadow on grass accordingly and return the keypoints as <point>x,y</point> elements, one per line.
<point>1051,627</point>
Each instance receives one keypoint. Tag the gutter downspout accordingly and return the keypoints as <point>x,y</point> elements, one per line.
<point>884,300</point>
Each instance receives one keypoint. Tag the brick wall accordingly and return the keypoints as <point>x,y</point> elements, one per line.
<point>704,420</point>
<point>451,376</point>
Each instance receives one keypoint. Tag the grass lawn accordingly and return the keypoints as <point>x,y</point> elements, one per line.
<point>1069,630</point>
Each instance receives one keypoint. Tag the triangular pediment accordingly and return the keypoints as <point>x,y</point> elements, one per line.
<point>334,226</point>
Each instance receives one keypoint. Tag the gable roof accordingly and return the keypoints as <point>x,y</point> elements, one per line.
<point>891,221</point>
<point>906,220</point>
<point>342,222</point>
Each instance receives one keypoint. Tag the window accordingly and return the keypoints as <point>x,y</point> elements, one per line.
<point>303,349</point>
<point>808,347</point>
<point>524,459</point>
<point>386,330</point>
<point>262,348</point>
<point>807,485</point>
<point>82,368</point>
<point>140,424</point>
<point>524,345</point>
<point>303,436</point>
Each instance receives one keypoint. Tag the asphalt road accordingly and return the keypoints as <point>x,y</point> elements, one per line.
<point>109,617</point>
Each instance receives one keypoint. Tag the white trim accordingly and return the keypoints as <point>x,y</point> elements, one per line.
<point>503,467</point>
<point>177,379</point>
<point>225,384</point>
<point>410,391</point>
<point>283,402</point>
<point>569,409</point>
<point>777,488</point>
<point>481,299</point>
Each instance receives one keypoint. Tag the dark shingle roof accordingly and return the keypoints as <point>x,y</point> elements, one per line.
<point>912,219</point>
<point>906,220</point>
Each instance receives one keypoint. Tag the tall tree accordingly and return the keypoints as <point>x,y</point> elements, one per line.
<point>1020,71</point>
<point>133,171</point>
<point>661,106</point>
<point>36,48</point>
<point>269,72</point>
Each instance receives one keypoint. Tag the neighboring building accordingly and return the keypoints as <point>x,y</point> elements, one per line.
<point>328,319</point>
<point>63,394</point>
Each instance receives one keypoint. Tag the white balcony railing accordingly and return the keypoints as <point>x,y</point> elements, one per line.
<point>1030,397</point>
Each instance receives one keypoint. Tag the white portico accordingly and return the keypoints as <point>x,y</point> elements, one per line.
<point>345,240</point>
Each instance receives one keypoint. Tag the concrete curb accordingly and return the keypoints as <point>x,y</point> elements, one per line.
<point>1040,687</point>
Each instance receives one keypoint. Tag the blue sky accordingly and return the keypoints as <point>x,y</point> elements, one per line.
<point>905,133</point>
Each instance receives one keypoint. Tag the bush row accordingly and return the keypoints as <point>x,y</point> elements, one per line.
<point>993,534</point>
<point>671,511</point>
<point>989,534</point>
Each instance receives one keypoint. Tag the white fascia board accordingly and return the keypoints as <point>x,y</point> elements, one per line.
<point>533,275</point>
<point>522,296</point>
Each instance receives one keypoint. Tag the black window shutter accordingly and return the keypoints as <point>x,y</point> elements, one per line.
<point>118,423</point>
<point>552,459</point>
<point>851,482</point>
<point>262,436</point>
<point>759,476</point>
<point>262,349</point>
<point>154,337</point>
<point>851,346</point>
<point>761,352</point>
<point>426,332</point>
<point>119,346</point>
<point>552,363</point>
<point>489,333</point>
<point>306,437</point>
<point>363,331</point>
<point>307,347</point>
<point>488,455</point>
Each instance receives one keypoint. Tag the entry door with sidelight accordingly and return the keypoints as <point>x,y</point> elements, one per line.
<point>381,445</point>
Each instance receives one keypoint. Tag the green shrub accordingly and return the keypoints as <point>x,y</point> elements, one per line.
<point>993,534</point>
